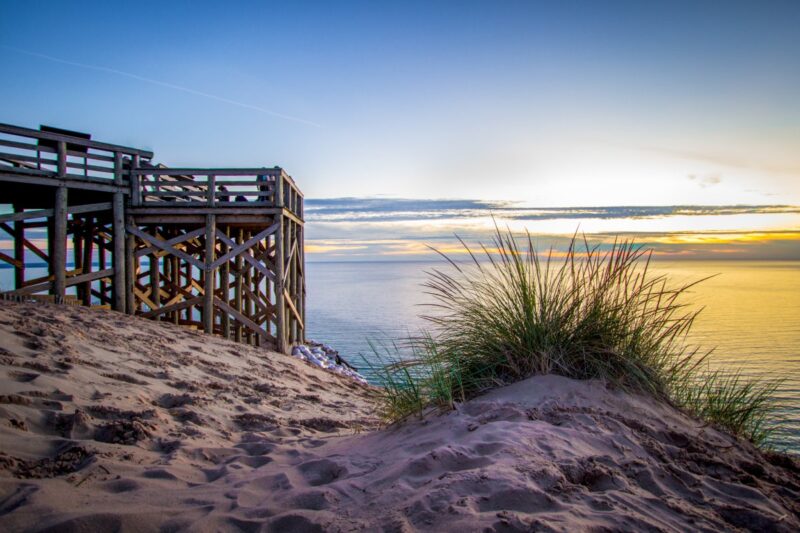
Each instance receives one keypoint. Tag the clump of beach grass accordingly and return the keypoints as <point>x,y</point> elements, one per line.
<point>590,312</point>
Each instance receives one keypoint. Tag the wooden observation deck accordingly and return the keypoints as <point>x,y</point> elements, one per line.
<point>214,248</point>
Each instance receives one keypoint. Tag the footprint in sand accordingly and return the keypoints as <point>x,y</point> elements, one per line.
<point>321,472</point>
<point>23,377</point>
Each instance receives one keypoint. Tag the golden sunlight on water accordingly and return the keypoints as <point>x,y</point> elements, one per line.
<point>751,315</point>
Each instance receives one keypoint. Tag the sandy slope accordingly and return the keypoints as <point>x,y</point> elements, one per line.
<point>109,422</point>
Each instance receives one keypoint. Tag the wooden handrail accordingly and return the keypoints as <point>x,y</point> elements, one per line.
<point>37,134</point>
<point>206,171</point>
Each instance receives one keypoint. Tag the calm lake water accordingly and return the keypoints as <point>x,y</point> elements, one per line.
<point>751,315</point>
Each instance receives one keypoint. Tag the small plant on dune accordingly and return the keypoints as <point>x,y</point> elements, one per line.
<point>743,406</point>
<point>508,314</point>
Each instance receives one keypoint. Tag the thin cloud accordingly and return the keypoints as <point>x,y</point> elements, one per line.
<point>706,181</point>
<point>151,81</point>
<point>360,210</point>
<point>725,160</point>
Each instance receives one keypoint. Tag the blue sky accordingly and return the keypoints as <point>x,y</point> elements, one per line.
<point>545,104</point>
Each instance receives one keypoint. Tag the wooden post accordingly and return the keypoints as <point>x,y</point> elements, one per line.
<point>59,259</point>
<point>119,255</point>
<point>101,261</point>
<point>19,250</point>
<point>279,190</point>
<point>118,239</point>
<point>296,282</point>
<point>78,228</point>
<point>62,159</point>
<point>189,274</point>
<point>211,190</point>
<point>237,288</point>
<point>208,296</point>
<point>224,284</point>
<point>280,304</point>
<point>247,301</point>
<point>136,190</point>
<point>176,280</point>
<point>155,283</point>
<point>292,321</point>
<point>301,303</point>
<point>130,269</point>
<point>88,243</point>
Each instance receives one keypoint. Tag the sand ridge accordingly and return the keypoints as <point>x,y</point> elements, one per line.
<point>114,423</point>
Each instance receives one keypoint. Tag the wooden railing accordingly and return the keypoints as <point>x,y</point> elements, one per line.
<point>214,187</point>
<point>45,154</point>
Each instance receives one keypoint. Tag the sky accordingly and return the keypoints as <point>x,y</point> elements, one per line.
<point>412,110</point>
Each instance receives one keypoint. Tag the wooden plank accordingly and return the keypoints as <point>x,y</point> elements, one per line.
<point>253,295</point>
<point>62,158</point>
<point>19,250</point>
<point>79,182</point>
<point>289,259</point>
<point>237,288</point>
<point>174,307</point>
<point>206,171</point>
<point>86,167</point>
<point>210,196</point>
<point>225,286</point>
<point>33,248</point>
<point>73,280</point>
<point>259,266</point>
<point>208,296</point>
<point>237,249</point>
<point>163,204</point>
<point>10,260</point>
<point>161,245</point>
<point>171,190</point>
<point>155,281</point>
<point>118,255</point>
<point>244,320</point>
<point>145,298</point>
<point>130,258</point>
<point>172,242</point>
<point>38,134</point>
<point>87,258</point>
<point>280,305</point>
<point>43,213</point>
<point>58,238</point>
<point>294,310</point>
<point>39,148</point>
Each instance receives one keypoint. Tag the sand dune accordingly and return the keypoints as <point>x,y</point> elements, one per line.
<point>113,423</point>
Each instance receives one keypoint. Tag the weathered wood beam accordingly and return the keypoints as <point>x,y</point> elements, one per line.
<point>244,320</point>
<point>280,304</point>
<point>59,241</point>
<point>19,250</point>
<point>174,307</point>
<point>44,213</point>
<point>12,261</point>
<point>130,272</point>
<point>172,242</point>
<point>69,282</point>
<point>163,246</point>
<point>238,249</point>
<point>118,241</point>
<point>208,296</point>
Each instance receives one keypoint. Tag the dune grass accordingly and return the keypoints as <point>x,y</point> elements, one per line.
<point>588,313</point>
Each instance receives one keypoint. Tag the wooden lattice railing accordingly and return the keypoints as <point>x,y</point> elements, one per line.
<point>215,187</point>
<point>45,154</point>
